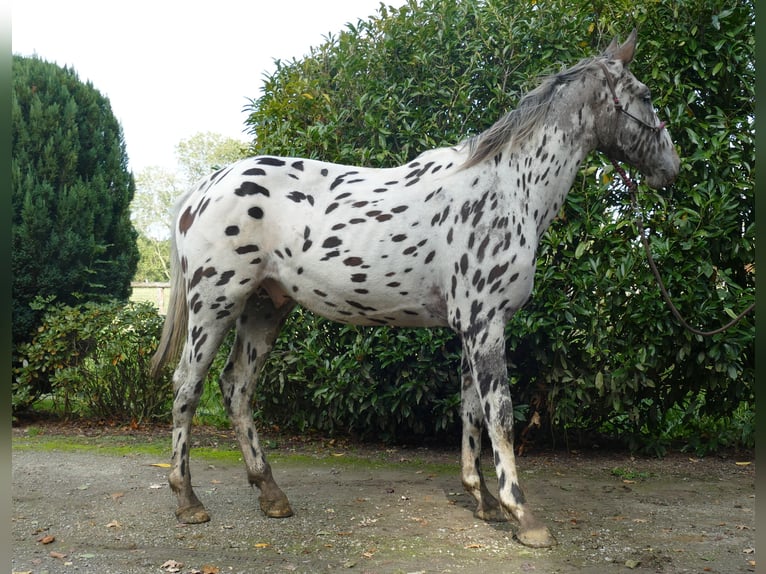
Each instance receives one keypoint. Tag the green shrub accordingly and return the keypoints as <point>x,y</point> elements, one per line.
<point>386,383</point>
<point>595,347</point>
<point>370,382</point>
<point>92,359</point>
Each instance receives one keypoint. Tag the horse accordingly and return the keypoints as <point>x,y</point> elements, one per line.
<point>448,239</point>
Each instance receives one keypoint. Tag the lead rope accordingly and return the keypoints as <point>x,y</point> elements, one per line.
<point>632,187</point>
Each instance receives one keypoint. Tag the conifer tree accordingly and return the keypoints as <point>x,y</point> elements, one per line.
<point>71,190</point>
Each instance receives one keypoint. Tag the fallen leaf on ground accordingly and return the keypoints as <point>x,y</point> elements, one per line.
<point>742,463</point>
<point>54,554</point>
<point>262,545</point>
<point>114,524</point>
<point>209,569</point>
<point>475,546</point>
<point>117,495</point>
<point>46,539</point>
<point>161,464</point>
<point>172,566</point>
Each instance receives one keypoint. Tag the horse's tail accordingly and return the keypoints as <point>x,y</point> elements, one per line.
<point>176,320</point>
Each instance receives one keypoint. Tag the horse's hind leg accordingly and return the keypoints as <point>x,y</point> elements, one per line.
<point>188,380</point>
<point>257,328</point>
<point>487,506</point>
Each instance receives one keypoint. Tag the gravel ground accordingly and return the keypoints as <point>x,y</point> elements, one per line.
<point>376,510</point>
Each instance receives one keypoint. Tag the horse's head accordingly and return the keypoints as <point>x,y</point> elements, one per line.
<point>627,126</point>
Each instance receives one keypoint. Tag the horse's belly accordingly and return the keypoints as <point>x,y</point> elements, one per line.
<point>406,304</point>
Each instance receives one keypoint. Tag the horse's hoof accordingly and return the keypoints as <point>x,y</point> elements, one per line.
<point>495,514</point>
<point>276,508</point>
<point>192,515</point>
<point>539,537</point>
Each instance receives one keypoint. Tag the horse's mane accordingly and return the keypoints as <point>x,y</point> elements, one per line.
<point>519,124</point>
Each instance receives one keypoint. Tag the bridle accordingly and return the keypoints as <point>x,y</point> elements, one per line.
<point>632,186</point>
<point>618,105</point>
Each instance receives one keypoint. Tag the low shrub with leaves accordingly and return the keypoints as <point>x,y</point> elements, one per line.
<point>373,383</point>
<point>92,360</point>
<point>381,382</point>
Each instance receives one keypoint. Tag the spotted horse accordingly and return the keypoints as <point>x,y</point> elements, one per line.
<point>449,239</point>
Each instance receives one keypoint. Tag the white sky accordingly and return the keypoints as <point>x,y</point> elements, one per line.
<point>172,69</point>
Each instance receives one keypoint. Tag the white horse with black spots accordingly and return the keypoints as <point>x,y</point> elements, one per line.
<point>447,240</point>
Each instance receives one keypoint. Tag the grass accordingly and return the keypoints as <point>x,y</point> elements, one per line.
<point>627,474</point>
<point>110,445</point>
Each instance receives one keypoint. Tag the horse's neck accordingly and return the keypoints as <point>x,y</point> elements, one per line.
<point>549,161</point>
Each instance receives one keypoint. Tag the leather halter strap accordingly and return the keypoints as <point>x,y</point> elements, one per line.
<point>618,104</point>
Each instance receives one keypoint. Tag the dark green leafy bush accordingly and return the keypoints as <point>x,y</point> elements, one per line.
<point>92,359</point>
<point>380,383</point>
<point>71,189</point>
<point>595,350</point>
<point>388,383</point>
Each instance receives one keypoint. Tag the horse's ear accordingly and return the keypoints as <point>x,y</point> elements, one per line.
<point>622,52</point>
<point>626,51</point>
<point>611,48</point>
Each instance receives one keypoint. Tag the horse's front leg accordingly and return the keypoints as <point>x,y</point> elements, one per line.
<point>484,351</point>
<point>487,506</point>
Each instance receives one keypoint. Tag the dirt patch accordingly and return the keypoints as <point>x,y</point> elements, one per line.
<point>361,508</point>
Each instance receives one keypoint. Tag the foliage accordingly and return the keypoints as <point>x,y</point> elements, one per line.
<point>206,152</point>
<point>597,338</point>
<point>70,191</point>
<point>154,261</point>
<point>373,382</point>
<point>334,378</point>
<point>151,209</point>
<point>595,349</point>
<point>93,359</point>
<point>157,189</point>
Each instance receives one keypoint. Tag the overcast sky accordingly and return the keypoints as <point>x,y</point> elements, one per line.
<point>172,69</point>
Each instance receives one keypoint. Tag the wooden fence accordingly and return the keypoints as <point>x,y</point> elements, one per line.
<point>157,293</point>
